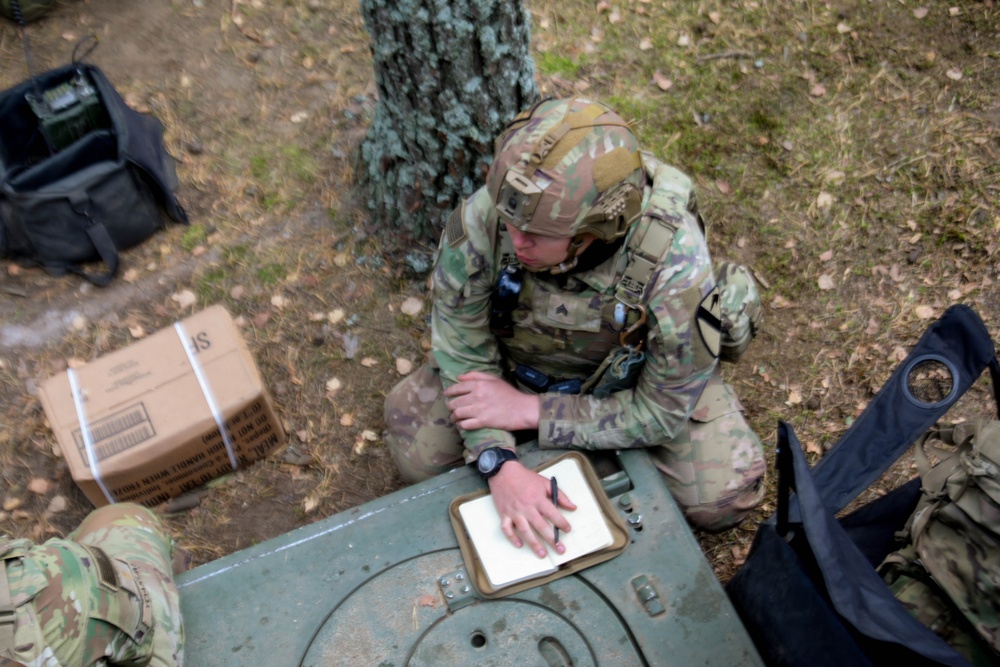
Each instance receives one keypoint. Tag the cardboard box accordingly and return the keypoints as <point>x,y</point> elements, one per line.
<point>153,411</point>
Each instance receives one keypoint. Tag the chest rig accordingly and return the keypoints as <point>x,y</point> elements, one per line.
<point>567,328</point>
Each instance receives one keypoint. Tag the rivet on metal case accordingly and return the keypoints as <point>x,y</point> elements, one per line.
<point>456,589</point>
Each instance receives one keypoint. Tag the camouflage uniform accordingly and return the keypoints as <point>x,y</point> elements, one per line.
<point>102,596</point>
<point>564,326</point>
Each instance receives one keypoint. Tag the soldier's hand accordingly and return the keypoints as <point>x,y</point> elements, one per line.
<point>523,500</point>
<point>481,400</point>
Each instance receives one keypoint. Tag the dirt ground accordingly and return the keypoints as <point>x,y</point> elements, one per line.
<point>263,103</point>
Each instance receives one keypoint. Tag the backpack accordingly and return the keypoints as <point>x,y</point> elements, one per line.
<point>952,561</point>
<point>82,175</point>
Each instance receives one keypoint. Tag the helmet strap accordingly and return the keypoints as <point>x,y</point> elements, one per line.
<point>572,256</point>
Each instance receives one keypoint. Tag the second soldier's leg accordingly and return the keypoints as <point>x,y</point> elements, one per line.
<point>134,534</point>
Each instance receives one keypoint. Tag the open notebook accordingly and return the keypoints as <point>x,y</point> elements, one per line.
<point>503,564</point>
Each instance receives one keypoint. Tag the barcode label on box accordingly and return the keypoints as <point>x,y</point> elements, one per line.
<point>116,433</point>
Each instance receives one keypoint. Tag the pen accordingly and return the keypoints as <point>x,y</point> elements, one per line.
<point>555,501</point>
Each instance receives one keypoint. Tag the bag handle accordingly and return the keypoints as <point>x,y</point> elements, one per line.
<point>895,418</point>
<point>100,238</point>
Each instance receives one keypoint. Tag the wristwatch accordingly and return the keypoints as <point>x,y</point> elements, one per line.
<point>491,459</point>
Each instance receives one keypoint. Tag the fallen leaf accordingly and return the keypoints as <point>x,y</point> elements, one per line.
<point>333,385</point>
<point>79,323</point>
<point>723,187</point>
<point>924,312</point>
<point>826,256</point>
<point>411,306</point>
<point>427,601</point>
<point>340,260</point>
<point>131,275</point>
<point>898,354</point>
<point>843,28</point>
<point>912,224</point>
<point>824,200</point>
<point>298,117</point>
<point>237,292</point>
<point>715,17</point>
<point>662,82</point>
<point>39,486</point>
<point>913,239</point>
<point>683,40</point>
<point>794,396</point>
<point>955,294</point>
<point>302,434</point>
<point>615,17</point>
<point>954,11</point>
<point>307,62</point>
<point>818,90</point>
<point>11,503</point>
<point>369,435</point>
<point>954,74</point>
<point>825,282</point>
<point>369,362</point>
<point>57,504</point>
<point>279,301</point>
<point>596,35</point>
<point>780,302</point>
<point>404,366</point>
<point>317,317</point>
<point>920,12</point>
<point>184,298</point>
<point>335,315</point>
<point>813,447</point>
<point>603,6</point>
<point>310,504</point>
<point>347,419</point>
<point>137,331</point>
<point>262,318</point>
<point>645,44</point>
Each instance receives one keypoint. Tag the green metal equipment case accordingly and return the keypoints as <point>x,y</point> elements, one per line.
<point>384,585</point>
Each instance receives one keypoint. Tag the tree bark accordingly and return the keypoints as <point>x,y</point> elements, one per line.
<point>450,75</point>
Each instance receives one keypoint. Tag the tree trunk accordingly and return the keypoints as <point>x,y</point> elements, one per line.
<point>450,74</point>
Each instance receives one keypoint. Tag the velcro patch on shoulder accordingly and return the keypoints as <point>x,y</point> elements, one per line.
<point>709,320</point>
<point>455,230</point>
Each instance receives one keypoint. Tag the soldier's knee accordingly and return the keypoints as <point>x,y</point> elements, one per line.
<point>727,511</point>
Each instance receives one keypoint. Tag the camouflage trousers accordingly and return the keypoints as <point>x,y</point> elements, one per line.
<point>714,467</point>
<point>104,595</point>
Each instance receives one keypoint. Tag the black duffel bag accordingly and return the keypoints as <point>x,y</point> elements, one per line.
<point>82,175</point>
<point>809,593</point>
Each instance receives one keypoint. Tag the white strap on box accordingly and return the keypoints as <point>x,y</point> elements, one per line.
<point>88,440</point>
<point>207,392</point>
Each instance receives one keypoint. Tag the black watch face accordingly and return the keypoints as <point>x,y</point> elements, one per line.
<point>487,461</point>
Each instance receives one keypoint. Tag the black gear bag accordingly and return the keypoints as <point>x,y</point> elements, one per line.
<point>809,593</point>
<point>82,175</point>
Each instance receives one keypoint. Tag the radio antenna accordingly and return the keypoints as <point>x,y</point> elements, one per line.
<point>15,9</point>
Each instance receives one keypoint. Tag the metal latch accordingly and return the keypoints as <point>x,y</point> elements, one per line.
<point>456,589</point>
<point>647,595</point>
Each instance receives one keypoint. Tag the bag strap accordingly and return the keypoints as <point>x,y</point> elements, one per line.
<point>895,418</point>
<point>99,236</point>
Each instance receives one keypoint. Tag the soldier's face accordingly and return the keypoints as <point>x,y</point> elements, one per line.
<point>538,252</point>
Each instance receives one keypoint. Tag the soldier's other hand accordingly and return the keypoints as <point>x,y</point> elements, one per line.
<point>523,501</point>
<point>481,400</point>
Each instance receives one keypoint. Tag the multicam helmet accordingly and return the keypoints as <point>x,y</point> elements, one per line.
<point>566,168</point>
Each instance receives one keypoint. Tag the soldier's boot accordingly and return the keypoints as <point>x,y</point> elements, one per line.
<point>742,312</point>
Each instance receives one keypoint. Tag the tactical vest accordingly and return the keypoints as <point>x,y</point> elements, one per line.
<point>116,597</point>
